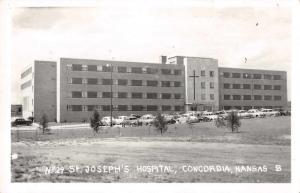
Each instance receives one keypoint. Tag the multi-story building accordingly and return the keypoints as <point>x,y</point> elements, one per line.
<point>70,89</point>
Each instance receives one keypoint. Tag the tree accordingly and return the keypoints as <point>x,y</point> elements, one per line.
<point>160,123</point>
<point>231,121</point>
<point>95,122</point>
<point>44,123</point>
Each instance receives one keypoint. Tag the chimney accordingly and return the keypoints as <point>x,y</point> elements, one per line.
<point>163,59</point>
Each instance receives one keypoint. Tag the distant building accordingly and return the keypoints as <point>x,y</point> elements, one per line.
<point>70,89</point>
<point>16,111</point>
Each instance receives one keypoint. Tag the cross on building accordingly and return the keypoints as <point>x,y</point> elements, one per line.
<point>194,77</point>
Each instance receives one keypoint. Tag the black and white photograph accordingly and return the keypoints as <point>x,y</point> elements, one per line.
<point>151,92</point>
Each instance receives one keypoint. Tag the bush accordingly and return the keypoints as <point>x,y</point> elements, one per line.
<point>232,121</point>
<point>44,123</point>
<point>160,123</point>
<point>95,121</point>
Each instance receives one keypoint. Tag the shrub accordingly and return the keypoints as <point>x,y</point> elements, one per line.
<point>95,121</point>
<point>44,123</point>
<point>160,123</point>
<point>232,121</point>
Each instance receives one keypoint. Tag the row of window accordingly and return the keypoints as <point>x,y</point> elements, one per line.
<point>250,107</point>
<point>26,72</point>
<point>26,84</point>
<point>124,82</point>
<point>124,108</point>
<point>248,86</point>
<point>122,69</point>
<point>135,95</point>
<point>203,73</point>
<point>255,97</point>
<point>251,76</point>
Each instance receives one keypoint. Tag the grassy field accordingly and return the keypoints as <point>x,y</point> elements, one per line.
<point>260,143</point>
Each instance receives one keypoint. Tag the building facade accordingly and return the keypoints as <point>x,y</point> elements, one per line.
<point>69,90</point>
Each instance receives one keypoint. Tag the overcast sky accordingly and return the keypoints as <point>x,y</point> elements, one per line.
<point>144,31</point>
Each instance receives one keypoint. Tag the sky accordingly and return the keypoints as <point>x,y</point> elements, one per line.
<point>144,31</point>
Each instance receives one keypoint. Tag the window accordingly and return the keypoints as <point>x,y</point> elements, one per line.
<point>165,95</point>
<point>247,75</point>
<point>76,80</point>
<point>247,97</point>
<point>177,72</point>
<point>257,76</point>
<point>136,95</point>
<point>84,68</point>
<point>122,108</point>
<point>257,87</point>
<point>106,68</point>
<point>211,73</point>
<point>203,85</point>
<point>122,82</point>
<point>152,108</point>
<point>122,69</point>
<point>226,75</point>
<point>226,97</point>
<point>166,108</point>
<point>257,97</point>
<point>136,82</point>
<point>151,71</point>
<point>166,71</point>
<point>267,97</point>
<point>122,95</point>
<point>26,84</point>
<point>277,77</point>
<point>247,108</point>
<point>137,70</point>
<point>212,97</point>
<point>137,107</point>
<point>277,87</point>
<point>91,94</point>
<point>236,97</point>
<point>177,84</point>
<point>211,85</point>
<point>151,95</point>
<point>92,81</point>
<point>76,94</point>
<point>236,75</point>
<point>246,86</point>
<point>76,107</point>
<point>28,71</point>
<point>267,87</point>
<point>277,98</point>
<point>177,96</point>
<point>268,76</point>
<point>203,97</point>
<point>106,107</point>
<point>152,83</point>
<point>165,83</point>
<point>236,86</point>
<point>202,72</point>
<point>177,108</point>
<point>227,107</point>
<point>92,67</point>
<point>226,85</point>
<point>106,95</point>
<point>106,81</point>
<point>91,107</point>
<point>76,67</point>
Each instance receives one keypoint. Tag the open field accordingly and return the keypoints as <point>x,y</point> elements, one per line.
<point>261,143</point>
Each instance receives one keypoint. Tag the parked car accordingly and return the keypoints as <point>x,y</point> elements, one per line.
<point>131,121</point>
<point>270,112</point>
<point>244,114</point>
<point>186,118</point>
<point>209,116</point>
<point>169,118</point>
<point>282,112</point>
<point>256,113</point>
<point>106,121</point>
<point>120,119</point>
<point>21,121</point>
<point>147,119</point>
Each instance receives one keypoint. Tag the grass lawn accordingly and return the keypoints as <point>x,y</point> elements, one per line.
<point>260,143</point>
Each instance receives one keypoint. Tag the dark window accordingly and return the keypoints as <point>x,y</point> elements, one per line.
<point>177,108</point>
<point>76,67</point>
<point>236,86</point>
<point>226,86</point>
<point>152,83</point>
<point>91,107</point>
<point>268,76</point>
<point>257,97</point>
<point>277,87</point>
<point>267,87</point>
<point>76,80</point>
<point>257,87</point>
<point>166,71</point>
<point>238,107</point>
<point>165,95</point>
<point>122,82</point>
<point>136,95</point>
<point>137,108</point>
<point>226,75</point>
<point>166,108</point>
<point>122,69</point>
<point>92,67</point>
<point>92,81</point>
<point>277,98</point>
<point>211,73</point>
<point>236,97</point>
<point>226,97</point>
<point>247,97</point>
<point>165,83</point>
<point>203,85</point>
<point>267,97</point>
<point>247,108</point>
<point>212,97</point>
<point>76,94</point>
<point>277,77</point>
<point>26,84</point>
<point>122,94</point>
<point>28,71</point>
<point>92,94</point>
<point>246,86</point>
<point>151,95</point>
<point>151,71</point>
<point>106,95</point>
<point>211,85</point>
<point>247,75</point>
<point>136,82</point>
<point>177,72</point>
<point>106,81</point>
<point>106,68</point>
<point>177,84</point>
<point>177,96</point>
<point>122,107</point>
<point>257,76</point>
<point>137,70</point>
<point>76,107</point>
<point>236,75</point>
<point>106,107</point>
<point>152,108</point>
<point>202,72</point>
